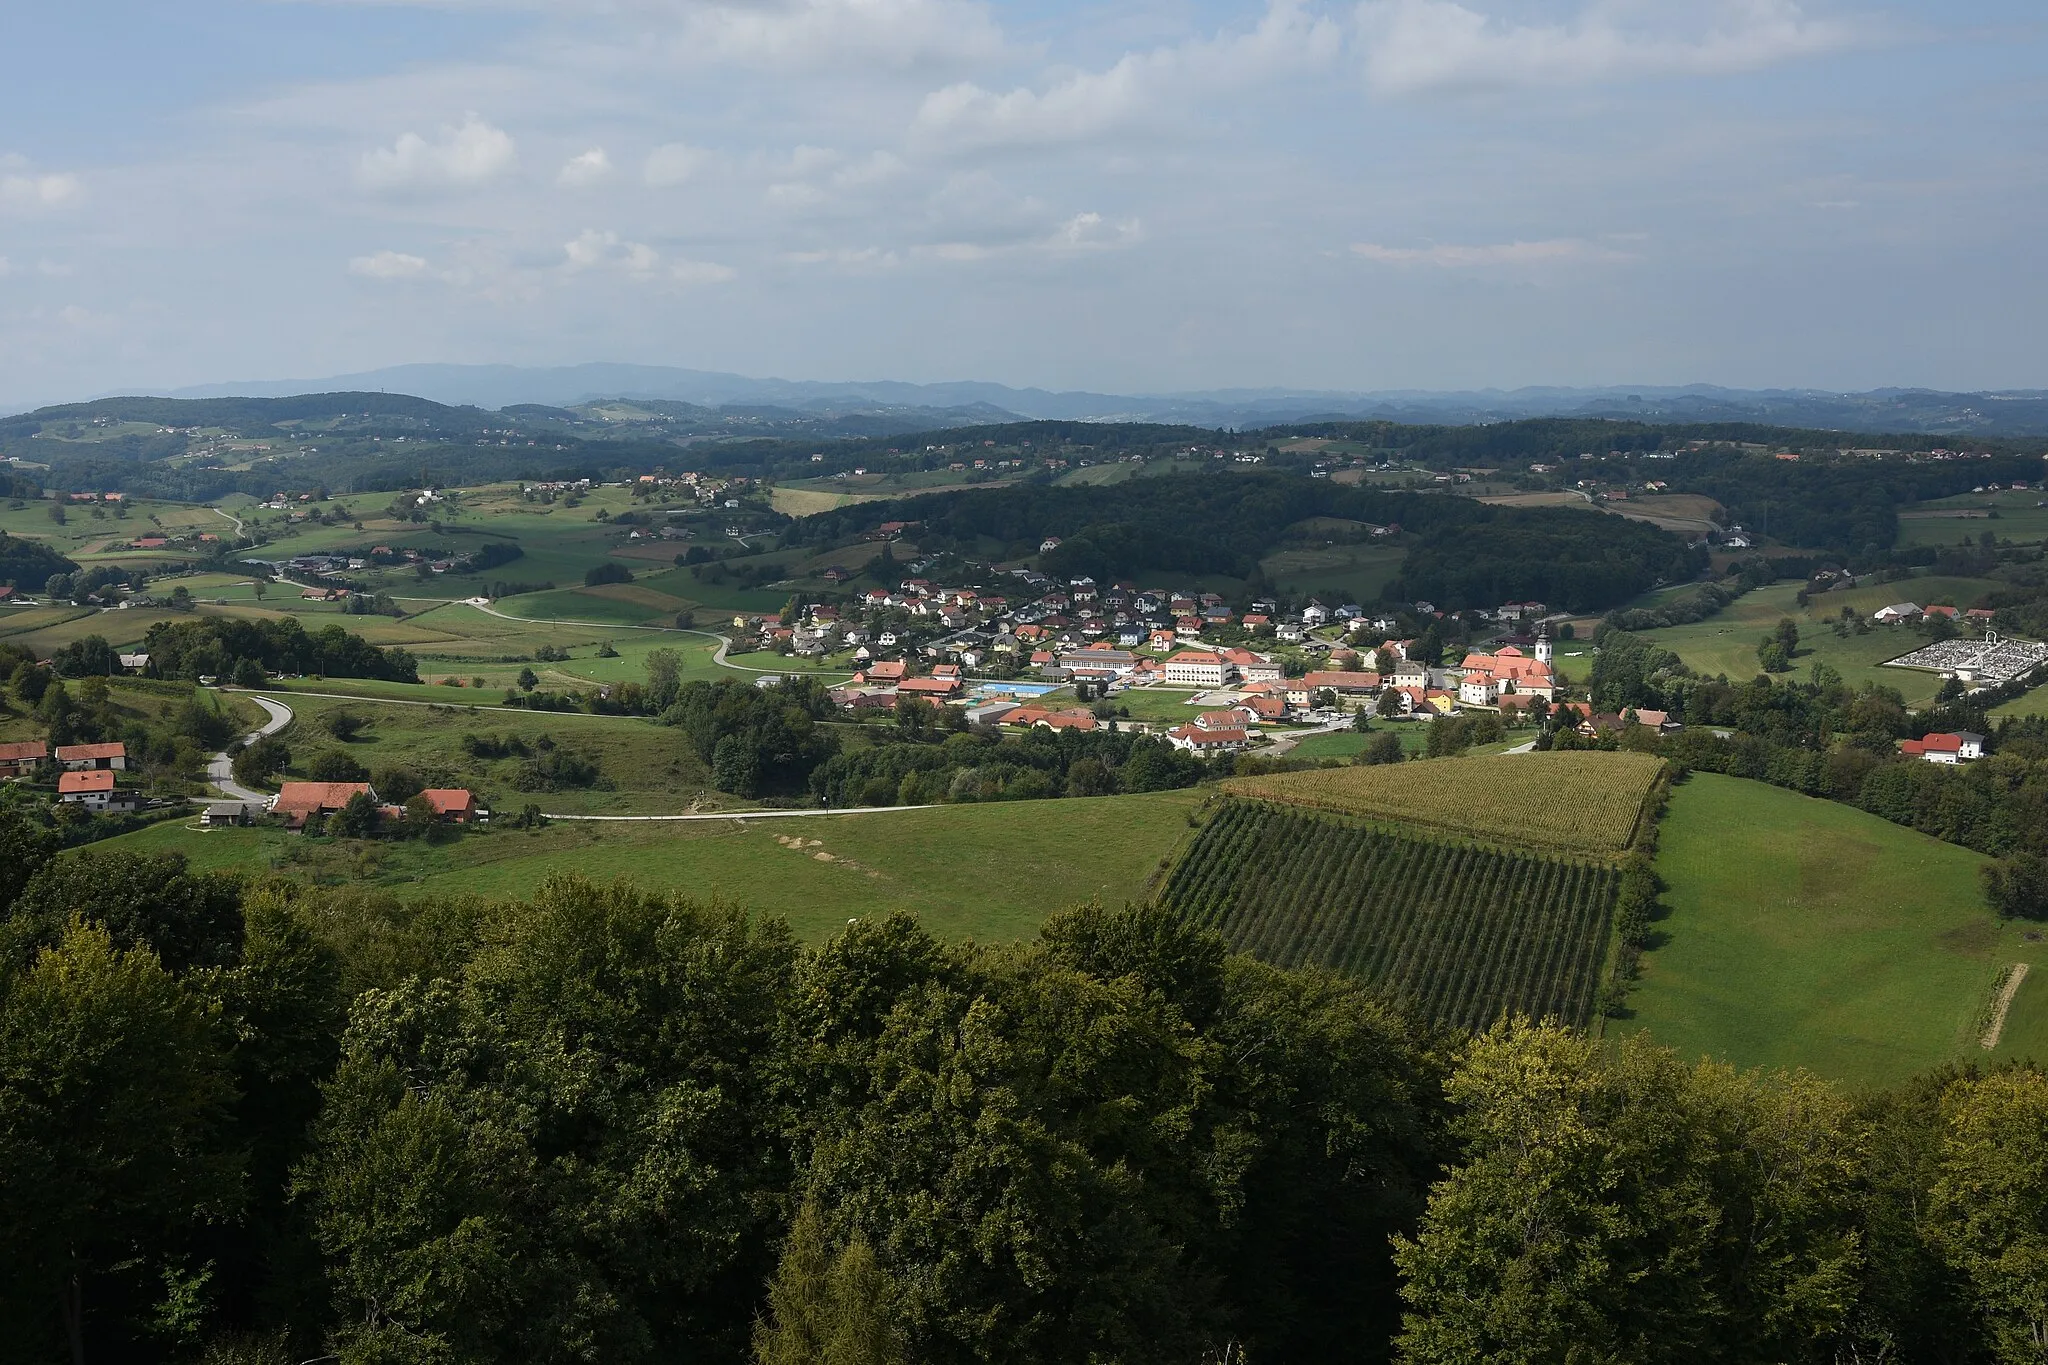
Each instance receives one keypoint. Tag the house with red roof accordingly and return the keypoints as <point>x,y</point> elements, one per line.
<point>1197,740</point>
<point>78,757</point>
<point>94,789</point>
<point>297,801</point>
<point>1960,746</point>
<point>16,760</point>
<point>456,805</point>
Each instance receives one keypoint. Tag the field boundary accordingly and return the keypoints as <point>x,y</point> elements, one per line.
<point>2007,987</point>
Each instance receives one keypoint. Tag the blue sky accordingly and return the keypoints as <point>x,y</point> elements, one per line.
<point>1153,196</point>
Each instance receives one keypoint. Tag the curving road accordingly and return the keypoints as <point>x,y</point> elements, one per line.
<point>220,769</point>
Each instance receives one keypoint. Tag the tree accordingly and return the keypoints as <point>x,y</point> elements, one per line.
<point>1390,702</point>
<point>664,678</point>
<point>826,1308</point>
<point>357,818</point>
<point>113,1094</point>
<point>1626,1206</point>
<point>248,673</point>
<point>1383,747</point>
<point>332,765</point>
<point>1988,1210</point>
<point>1772,656</point>
<point>1361,720</point>
<point>528,680</point>
<point>422,821</point>
<point>2017,885</point>
<point>260,586</point>
<point>735,766</point>
<point>257,763</point>
<point>343,725</point>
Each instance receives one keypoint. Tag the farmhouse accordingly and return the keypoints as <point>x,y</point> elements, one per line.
<point>94,789</point>
<point>81,757</point>
<point>17,759</point>
<point>456,805</point>
<point>1958,747</point>
<point>1897,611</point>
<point>296,801</point>
<point>1197,740</point>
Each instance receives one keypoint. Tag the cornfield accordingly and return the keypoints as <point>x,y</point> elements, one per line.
<point>1464,934</point>
<point>1568,802</point>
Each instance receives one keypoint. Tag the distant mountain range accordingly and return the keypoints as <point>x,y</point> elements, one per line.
<point>1920,411</point>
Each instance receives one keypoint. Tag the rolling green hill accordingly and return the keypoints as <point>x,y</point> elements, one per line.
<point>1807,933</point>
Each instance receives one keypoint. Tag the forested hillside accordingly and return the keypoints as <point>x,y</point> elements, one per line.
<point>262,1124</point>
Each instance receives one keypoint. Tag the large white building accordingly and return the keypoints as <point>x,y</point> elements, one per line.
<point>1198,668</point>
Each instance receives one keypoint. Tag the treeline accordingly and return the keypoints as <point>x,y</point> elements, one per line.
<point>212,646</point>
<point>1468,554</point>
<point>973,766</point>
<point>28,564</point>
<point>1848,507</point>
<point>251,1125</point>
<point>1563,557</point>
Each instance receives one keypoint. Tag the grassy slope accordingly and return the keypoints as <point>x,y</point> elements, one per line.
<point>1804,932</point>
<point>652,770</point>
<point>985,872</point>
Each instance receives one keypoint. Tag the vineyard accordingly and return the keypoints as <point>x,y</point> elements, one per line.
<point>1566,802</point>
<point>1464,934</point>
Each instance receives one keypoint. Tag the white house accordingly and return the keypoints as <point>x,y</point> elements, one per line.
<point>1197,668</point>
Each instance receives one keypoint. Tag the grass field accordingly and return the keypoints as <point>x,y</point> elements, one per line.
<point>1580,803</point>
<point>1348,573</point>
<point>991,873</point>
<point>1726,642</point>
<point>1465,935</point>
<point>650,769</point>
<point>1807,933</point>
<point>1967,516</point>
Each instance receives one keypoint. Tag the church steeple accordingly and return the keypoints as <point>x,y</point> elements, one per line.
<point>1543,644</point>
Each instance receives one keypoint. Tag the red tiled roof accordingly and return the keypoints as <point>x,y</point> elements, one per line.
<point>94,780</point>
<point>15,753</point>
<point>72,753</point>
<point>448,799</point>
<point>310,796</point>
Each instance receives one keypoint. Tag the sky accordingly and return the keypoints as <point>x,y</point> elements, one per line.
<point>1154,196</point>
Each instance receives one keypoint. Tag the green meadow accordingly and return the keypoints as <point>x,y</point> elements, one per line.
<point>1807,933</point>
<point>986,872</point>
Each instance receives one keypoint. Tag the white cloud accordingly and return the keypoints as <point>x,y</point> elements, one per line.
<point>1413,46</point>
<point>1156,86</point>
<point>837,33</point>
<point>673,163</point>
<point>1090,231</point>
<point>38,191</point>
<point>606,250</point>
<point>593,249</point>
<point>470,154</point>
<point>700,272</point>
<point>585,168</point>
<point>388,265</point>
<point>1499,253</point>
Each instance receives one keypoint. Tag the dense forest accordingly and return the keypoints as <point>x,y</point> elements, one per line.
<point>212,646</point>
<point>29,564</point>
<point>258,1123</point>
<point>1467,553</point>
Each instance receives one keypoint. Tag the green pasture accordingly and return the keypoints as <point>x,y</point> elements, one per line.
<point>1726,642</point>
<point>990,873</point>
<point>1807,933</point>
<point>649,769</point>
<point>2015,515</point>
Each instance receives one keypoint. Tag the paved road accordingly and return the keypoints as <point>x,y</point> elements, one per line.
<point>220,769</point>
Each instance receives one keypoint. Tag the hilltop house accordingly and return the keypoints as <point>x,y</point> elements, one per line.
<point>1959,747</point>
